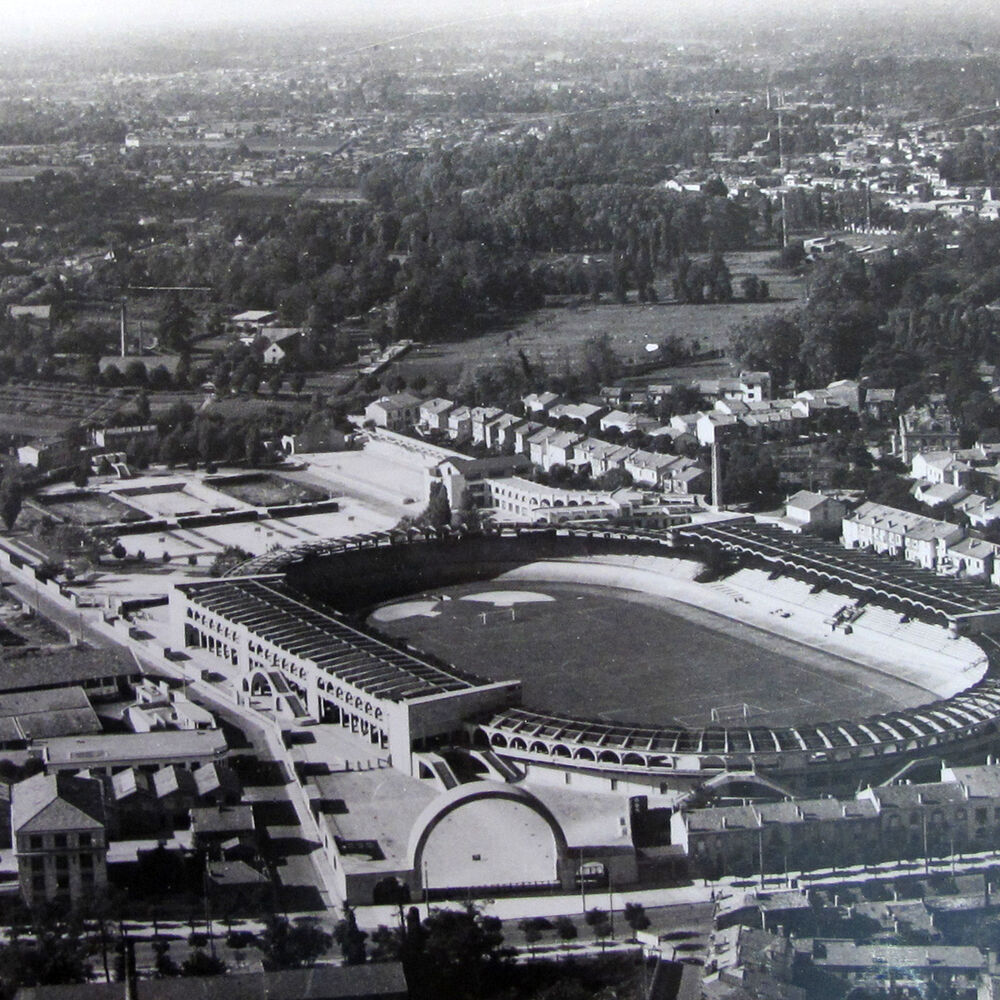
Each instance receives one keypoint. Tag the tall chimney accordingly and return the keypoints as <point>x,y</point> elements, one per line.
<point>131,980</point>
<point>716,476</point>
<point>122,331</point>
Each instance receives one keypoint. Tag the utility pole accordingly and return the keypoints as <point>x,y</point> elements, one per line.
<point>583,888</point>
<point>760,849</point>
<point>611,904</point>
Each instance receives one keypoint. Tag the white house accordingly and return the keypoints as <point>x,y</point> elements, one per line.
<point>398,412</point>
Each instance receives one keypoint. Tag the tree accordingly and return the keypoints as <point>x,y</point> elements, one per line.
<point>600,925</point>
<point>350,938</point>
<point>11,497</point>
<point>457,952</point>
<point>533,929</point>
<point>81,473</point>
<point>438,511</point>
<point>198,963</point>
<point>566,929</point>
<point>57,954</point>
<point>297,382</point>
<point>749,476</point>
<point>175,324</point>
<point>635,917</point>
<point>770,343</point>
<point>290,946</point>
<point>229,558</point>
<point>599,363</point>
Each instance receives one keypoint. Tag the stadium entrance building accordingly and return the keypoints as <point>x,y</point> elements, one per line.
<point>310,664</point>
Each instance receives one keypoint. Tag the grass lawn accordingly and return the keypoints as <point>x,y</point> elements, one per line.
<point>91,508</point>
<point>554,335</point>
<point>616,656</point>
<point>265,490</point>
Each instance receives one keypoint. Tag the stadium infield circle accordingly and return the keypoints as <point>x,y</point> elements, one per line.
<point>620,655</point>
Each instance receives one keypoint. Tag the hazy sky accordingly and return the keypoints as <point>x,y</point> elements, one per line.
<point>46,19</point>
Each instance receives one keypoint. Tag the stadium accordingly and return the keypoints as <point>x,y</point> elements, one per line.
<point>313,628</point>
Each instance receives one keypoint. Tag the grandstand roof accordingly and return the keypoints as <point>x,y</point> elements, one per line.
<point>864,571</point>
<point>311,632</point>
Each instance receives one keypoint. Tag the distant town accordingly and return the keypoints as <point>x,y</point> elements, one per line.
<point>507,508</point>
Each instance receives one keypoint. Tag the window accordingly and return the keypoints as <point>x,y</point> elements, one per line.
<point>38,883</point>
<point>980,815</point>
<point>62,863</point>
<point>60,840</point>
<point>86,861</point>
<point>37,864</point>
<point>35,842</point>
<point>62,882</point>
<point>86,839</point>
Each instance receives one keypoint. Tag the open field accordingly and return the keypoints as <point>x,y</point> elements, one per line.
<point>265,490</point>
<point>90,508</point>
<point>554,335</point>
<point>619,656</point>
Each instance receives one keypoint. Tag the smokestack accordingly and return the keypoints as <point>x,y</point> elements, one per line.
<point>716,476</point>
<point>122,331</point>
<point>131,980</point>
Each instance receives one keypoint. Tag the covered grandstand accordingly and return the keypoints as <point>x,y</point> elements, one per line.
<point>863,572</point>
<point>347,675</point>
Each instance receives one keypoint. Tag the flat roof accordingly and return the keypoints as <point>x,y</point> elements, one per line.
<point>85,751</point>
<point>28,669</point>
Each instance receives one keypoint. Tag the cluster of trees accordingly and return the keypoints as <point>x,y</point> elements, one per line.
<point>703,282</point>
<point>907,319</point>
<point>458,953</point>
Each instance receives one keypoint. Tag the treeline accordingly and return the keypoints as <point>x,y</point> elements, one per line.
<point>915,319</point>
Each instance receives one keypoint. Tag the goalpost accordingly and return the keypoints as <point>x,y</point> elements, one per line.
<point>498,615</point>
<point>731,713</point>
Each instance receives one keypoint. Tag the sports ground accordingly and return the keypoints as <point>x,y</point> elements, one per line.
<point>623,656</point>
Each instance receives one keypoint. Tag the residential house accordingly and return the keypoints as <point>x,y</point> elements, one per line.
<point>282,345</point>
<point>40,315</point>
<point>930,427</point>
<point>940,494</point>
<point>460,423</point>
<point>121,438</point>
<point>523,433</point>
<point>538,443</point>
<point>805,511</point>
<point>464,479</point>
<point>600,456</point>
<point>584,414</point>
<point>45,454</point>
<point>480,416</point>
<point>252,320</point>
<point>648,468</point>
<point>398,412</point>
<point>58,827</point>
<point>499,431</point>
<point>538,404</point>
<point>626,422</point>
<point>971,557</point>
<point>879,403</point>
<point>687,477</point>
<point>714,426</point>
<point>940,467</point>
<point>927,543</point>
<point>224,832</point>
<point>900,532</point>
<point>434,414</point>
